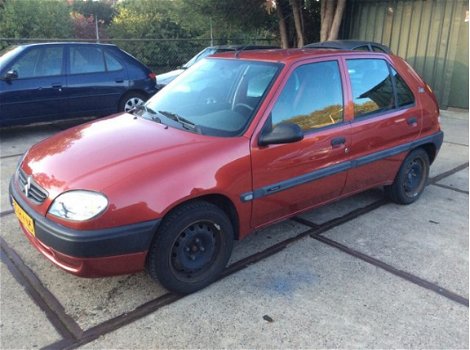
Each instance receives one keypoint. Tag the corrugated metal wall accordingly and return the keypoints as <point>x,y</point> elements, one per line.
<point>427,33</point>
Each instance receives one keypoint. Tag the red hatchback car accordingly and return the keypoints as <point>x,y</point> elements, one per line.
<point>237,142</point>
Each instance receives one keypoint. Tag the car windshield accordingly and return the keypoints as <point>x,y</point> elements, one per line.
<point>204,53</point>
<point>7,54</point>
<point>215,97</point>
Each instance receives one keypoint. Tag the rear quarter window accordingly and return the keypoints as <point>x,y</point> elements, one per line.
<point>404,95</point>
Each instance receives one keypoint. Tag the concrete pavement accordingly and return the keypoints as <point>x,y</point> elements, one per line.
<point>287,288</point>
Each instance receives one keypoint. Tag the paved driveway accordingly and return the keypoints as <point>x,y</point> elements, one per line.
<point>361,272</point>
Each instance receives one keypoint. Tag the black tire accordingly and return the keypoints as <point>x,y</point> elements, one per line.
<point>130,100</point>
<point>191,248</point>
<point>411,178</point>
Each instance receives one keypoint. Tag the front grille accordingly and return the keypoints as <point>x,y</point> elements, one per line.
<point>31,189</point>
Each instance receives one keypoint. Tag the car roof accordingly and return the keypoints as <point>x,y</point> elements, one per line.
<point>347,44</point>
<point>65,43</point>
<point>243,47</point>
<point>289,55</point>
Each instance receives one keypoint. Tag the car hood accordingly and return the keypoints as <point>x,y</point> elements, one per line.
<point>163,79</point>
<point>110,152</point>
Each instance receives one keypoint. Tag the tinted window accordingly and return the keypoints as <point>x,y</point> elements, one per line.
<point>39,62</point>
<point>377,49</point>
<point>111,63</point>
<point>86,59</point>
<point>312,97</point>
<point>362,48</point>
<point>404,94</point>
<point>371,86</point>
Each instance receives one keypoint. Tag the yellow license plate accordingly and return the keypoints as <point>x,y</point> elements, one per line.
<point>24,218</point>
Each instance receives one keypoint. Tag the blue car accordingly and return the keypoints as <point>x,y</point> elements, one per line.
<point>52,81</point>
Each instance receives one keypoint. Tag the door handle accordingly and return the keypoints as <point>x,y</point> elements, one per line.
<point>413,121</point>
<point>57,86</point>
<point>119,80</point>
<point>338,141</point>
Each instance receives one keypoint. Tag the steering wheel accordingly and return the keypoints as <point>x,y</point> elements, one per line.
<point>243,105</point>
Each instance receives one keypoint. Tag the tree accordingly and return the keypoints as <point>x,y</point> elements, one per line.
<point>103,9</point>
<point>157,32</point>
<point>232,21</point>
<point>45,19</point>
<point>298,22</point>
<point>283,35</point>
<point>331,15</point>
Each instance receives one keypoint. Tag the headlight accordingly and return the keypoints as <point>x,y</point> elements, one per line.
<point>78,205</point>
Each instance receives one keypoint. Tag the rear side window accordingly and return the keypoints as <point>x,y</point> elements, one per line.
<point>372,86</point>
<point>378,49</point>
<point>312,97</point>
<point>362,48</point>
<point>111,63</point>
<point>86,59</point>
<point>404,94</point>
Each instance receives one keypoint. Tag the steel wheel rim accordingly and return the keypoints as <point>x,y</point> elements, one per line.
<point>132,103</point>
<point>195,250</point>
<point>414,178</point>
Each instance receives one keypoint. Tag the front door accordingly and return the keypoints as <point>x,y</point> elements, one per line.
<point>291,177</point>
<point>37,91</point>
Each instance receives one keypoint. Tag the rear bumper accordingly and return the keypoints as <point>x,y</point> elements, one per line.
<point>89,253</point>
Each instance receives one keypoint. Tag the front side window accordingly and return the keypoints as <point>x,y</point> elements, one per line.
<point>39,62</point>
<point>371,85</point>
<point>216,96</point>
<point>86,59</point>
<point>312,97</point>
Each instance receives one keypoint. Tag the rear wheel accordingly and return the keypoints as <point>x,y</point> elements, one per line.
<point>411,178</point>
<point>192,247</point>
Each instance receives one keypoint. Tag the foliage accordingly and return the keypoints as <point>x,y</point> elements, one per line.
<point>35,19</point>
<point>158,21</point>
<point>230,19</point>
<point>103,9</point>
<point>84,27</point>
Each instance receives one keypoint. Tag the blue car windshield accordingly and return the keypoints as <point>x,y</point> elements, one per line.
<point>7,54</point>
<point>215,96</point>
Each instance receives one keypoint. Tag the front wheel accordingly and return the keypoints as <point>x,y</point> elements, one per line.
<point>131,100</point>
<point>411,178</point>
<point>192,247</point>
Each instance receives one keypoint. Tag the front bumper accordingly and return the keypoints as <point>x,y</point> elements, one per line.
<point>89,253</point>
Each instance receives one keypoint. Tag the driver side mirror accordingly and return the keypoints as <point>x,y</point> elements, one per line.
<point>282,133</point>
<point>11,75</point>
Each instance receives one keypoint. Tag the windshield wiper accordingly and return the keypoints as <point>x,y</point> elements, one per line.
<point>146,110</point>
<point>187,124</point>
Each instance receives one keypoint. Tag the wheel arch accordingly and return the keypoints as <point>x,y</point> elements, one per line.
<point>221,201</point>
<point>431,151</point>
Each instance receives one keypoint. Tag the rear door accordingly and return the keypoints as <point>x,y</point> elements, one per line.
<point>96,80</point>
<point>291,177</point>
<point>37,93</point>
<point>387,116</point>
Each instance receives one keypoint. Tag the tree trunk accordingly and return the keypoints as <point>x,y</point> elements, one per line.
<point>298,22</point>
<point>337,20</point>
<point>282,26</point>
<point>327,12</point>
<point>331,16</point>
